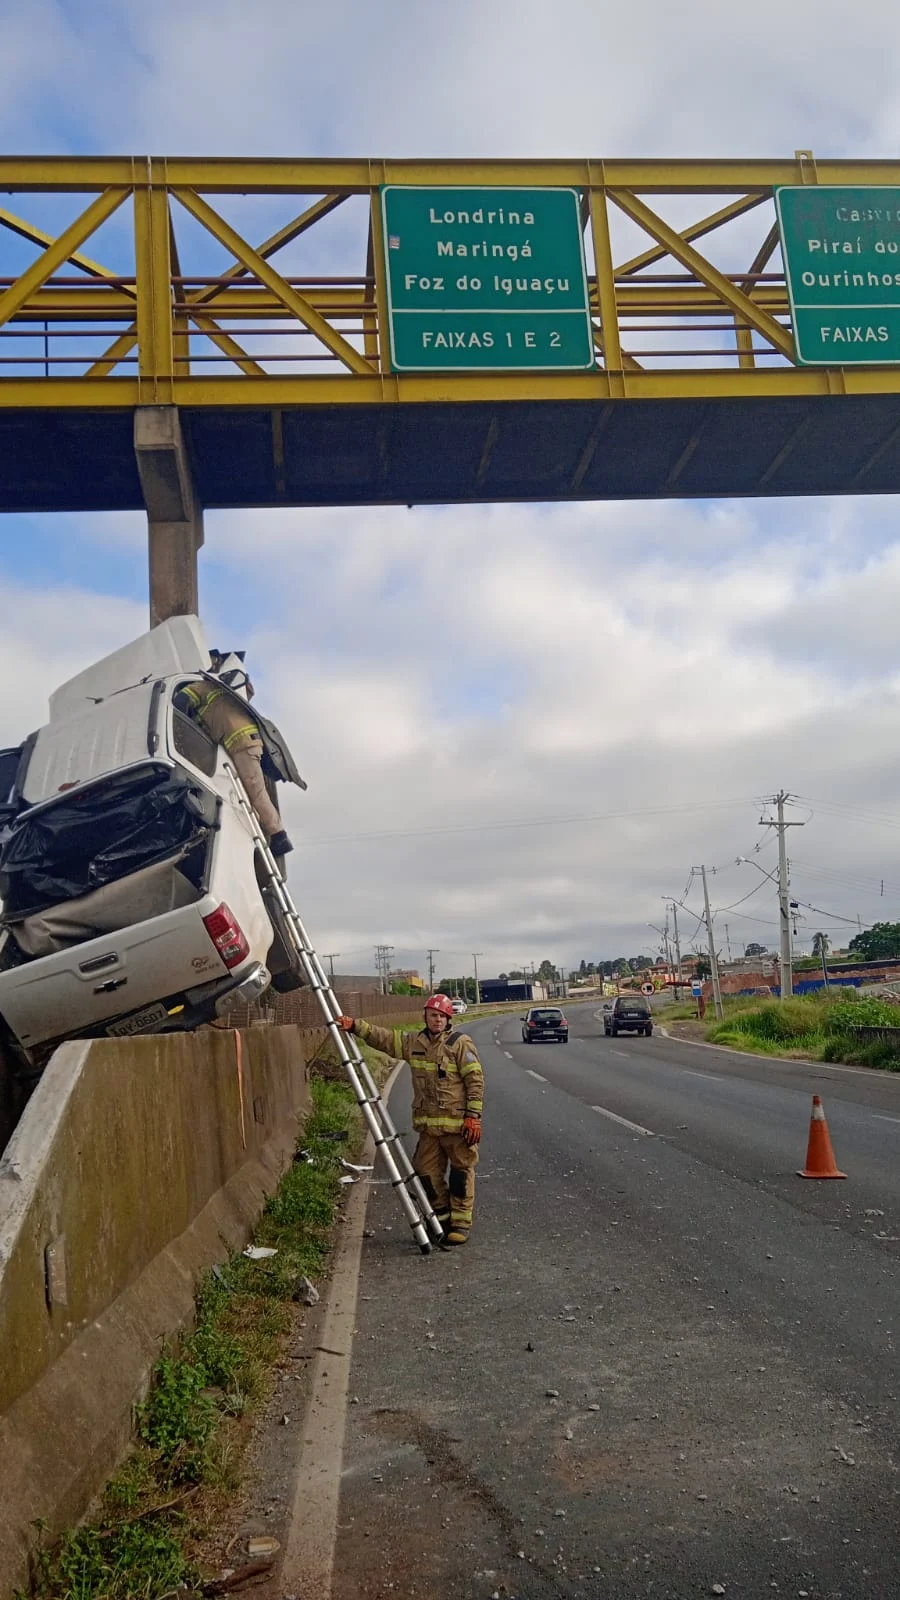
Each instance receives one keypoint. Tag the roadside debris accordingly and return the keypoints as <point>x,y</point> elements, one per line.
<point>235,1580</point>
<point>306,1292</point>
<point>262,1544</point>
<point>259,1252</point>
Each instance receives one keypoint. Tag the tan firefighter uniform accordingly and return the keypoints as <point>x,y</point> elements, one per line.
<point>448,1082</point>
<point>233,727</point>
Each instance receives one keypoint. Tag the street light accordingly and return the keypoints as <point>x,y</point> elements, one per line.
<point>664,935</point>
<point>746,861</point>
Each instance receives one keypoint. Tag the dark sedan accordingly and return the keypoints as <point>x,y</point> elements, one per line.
<point>544,1022</point>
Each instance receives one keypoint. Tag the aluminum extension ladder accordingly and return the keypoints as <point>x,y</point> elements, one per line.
<point>417,1208</point>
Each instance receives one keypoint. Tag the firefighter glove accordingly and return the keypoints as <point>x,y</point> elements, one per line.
<point>471,1128</point>
<point>346,1023</point>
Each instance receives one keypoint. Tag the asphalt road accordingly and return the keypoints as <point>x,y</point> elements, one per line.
<point>663,1362</point>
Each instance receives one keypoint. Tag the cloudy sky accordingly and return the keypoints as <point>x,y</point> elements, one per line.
<point>521,726</point>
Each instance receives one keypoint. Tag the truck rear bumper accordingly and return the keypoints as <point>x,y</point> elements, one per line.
<point>246,989</point>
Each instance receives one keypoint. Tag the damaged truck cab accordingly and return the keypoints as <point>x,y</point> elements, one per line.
<point>129,874</point>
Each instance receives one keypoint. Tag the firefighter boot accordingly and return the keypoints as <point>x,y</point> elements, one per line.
<point>462,1191</point>
<point>441,1211</point>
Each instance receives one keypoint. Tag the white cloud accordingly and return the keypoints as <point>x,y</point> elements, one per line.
<point>445,674</point>
<point>497,665</point>
<point>48,635</point>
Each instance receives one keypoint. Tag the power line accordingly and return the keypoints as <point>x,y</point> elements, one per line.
<point>755,890</point>
<point>834,916</point>
<point>533,822</point>
<point>857,813</point>
<point>857,880</point>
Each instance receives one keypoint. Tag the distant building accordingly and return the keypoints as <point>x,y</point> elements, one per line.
<point>494,991</point>
<point>356,983</point>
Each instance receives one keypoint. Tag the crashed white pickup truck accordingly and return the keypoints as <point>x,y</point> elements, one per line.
<point>133,894</point>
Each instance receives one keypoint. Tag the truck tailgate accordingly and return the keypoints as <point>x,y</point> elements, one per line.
<point>108,976</point>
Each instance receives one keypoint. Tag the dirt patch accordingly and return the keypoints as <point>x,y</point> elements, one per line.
<point>690,1029</point>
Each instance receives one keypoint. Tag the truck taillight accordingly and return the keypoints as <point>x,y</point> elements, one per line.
<point>227,935</point>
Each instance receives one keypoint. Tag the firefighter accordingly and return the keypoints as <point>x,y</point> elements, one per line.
<point>238,733</point>
<point>448,1090</point>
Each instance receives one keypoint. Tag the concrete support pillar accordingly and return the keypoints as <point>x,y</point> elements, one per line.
<point>174,515</point>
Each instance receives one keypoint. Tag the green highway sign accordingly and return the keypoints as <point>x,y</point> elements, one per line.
<point>841,250</point>
<point>486,280</point>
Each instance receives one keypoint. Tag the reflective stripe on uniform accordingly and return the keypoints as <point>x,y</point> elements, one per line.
<point>438,1124</point>
<point>471,1066</point>
<point>240,733</point>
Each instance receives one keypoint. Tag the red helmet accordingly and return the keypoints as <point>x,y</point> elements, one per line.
<point>441,1003</point>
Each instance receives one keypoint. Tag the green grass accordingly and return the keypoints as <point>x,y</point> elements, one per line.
<point>817,1025</point>
<point>144,1540</point>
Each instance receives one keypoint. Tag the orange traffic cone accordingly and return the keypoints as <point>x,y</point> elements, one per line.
<point>820,1162</point>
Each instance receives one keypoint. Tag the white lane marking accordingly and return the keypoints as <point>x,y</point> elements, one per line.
<point>879,1118</point>
<point>634,1126</point>
<point>622,1054</point>
<point>688,1072</point>
<point>535,1075</point>
<point>508,1055</point>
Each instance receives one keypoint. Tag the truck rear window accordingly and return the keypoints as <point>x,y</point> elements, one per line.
<point>193,744</point>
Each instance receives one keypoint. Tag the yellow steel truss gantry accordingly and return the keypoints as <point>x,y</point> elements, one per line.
<point>688,293</point>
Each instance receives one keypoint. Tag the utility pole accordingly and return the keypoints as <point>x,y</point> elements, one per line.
<point>431,956</point>
<point>727,942</point>
<point>475,955</point>
<point>383,965</point>
<point>713,963</point>
<point>784,892</point>
<point>331,959</point>
<point>674,905</point>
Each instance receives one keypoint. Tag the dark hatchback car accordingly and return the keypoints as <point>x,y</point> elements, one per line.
<point>544,1022</point>
<point>629,1013</point>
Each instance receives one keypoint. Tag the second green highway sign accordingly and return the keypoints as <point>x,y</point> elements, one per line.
<point>841,250</point>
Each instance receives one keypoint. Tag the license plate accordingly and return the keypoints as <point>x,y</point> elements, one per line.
<point>139,1021</point>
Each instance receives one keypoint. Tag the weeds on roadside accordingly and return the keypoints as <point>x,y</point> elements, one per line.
<point>188,1441</point>
<point>819,1025</point>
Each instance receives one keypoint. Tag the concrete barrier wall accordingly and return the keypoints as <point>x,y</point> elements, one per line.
<point>136,1164</point>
